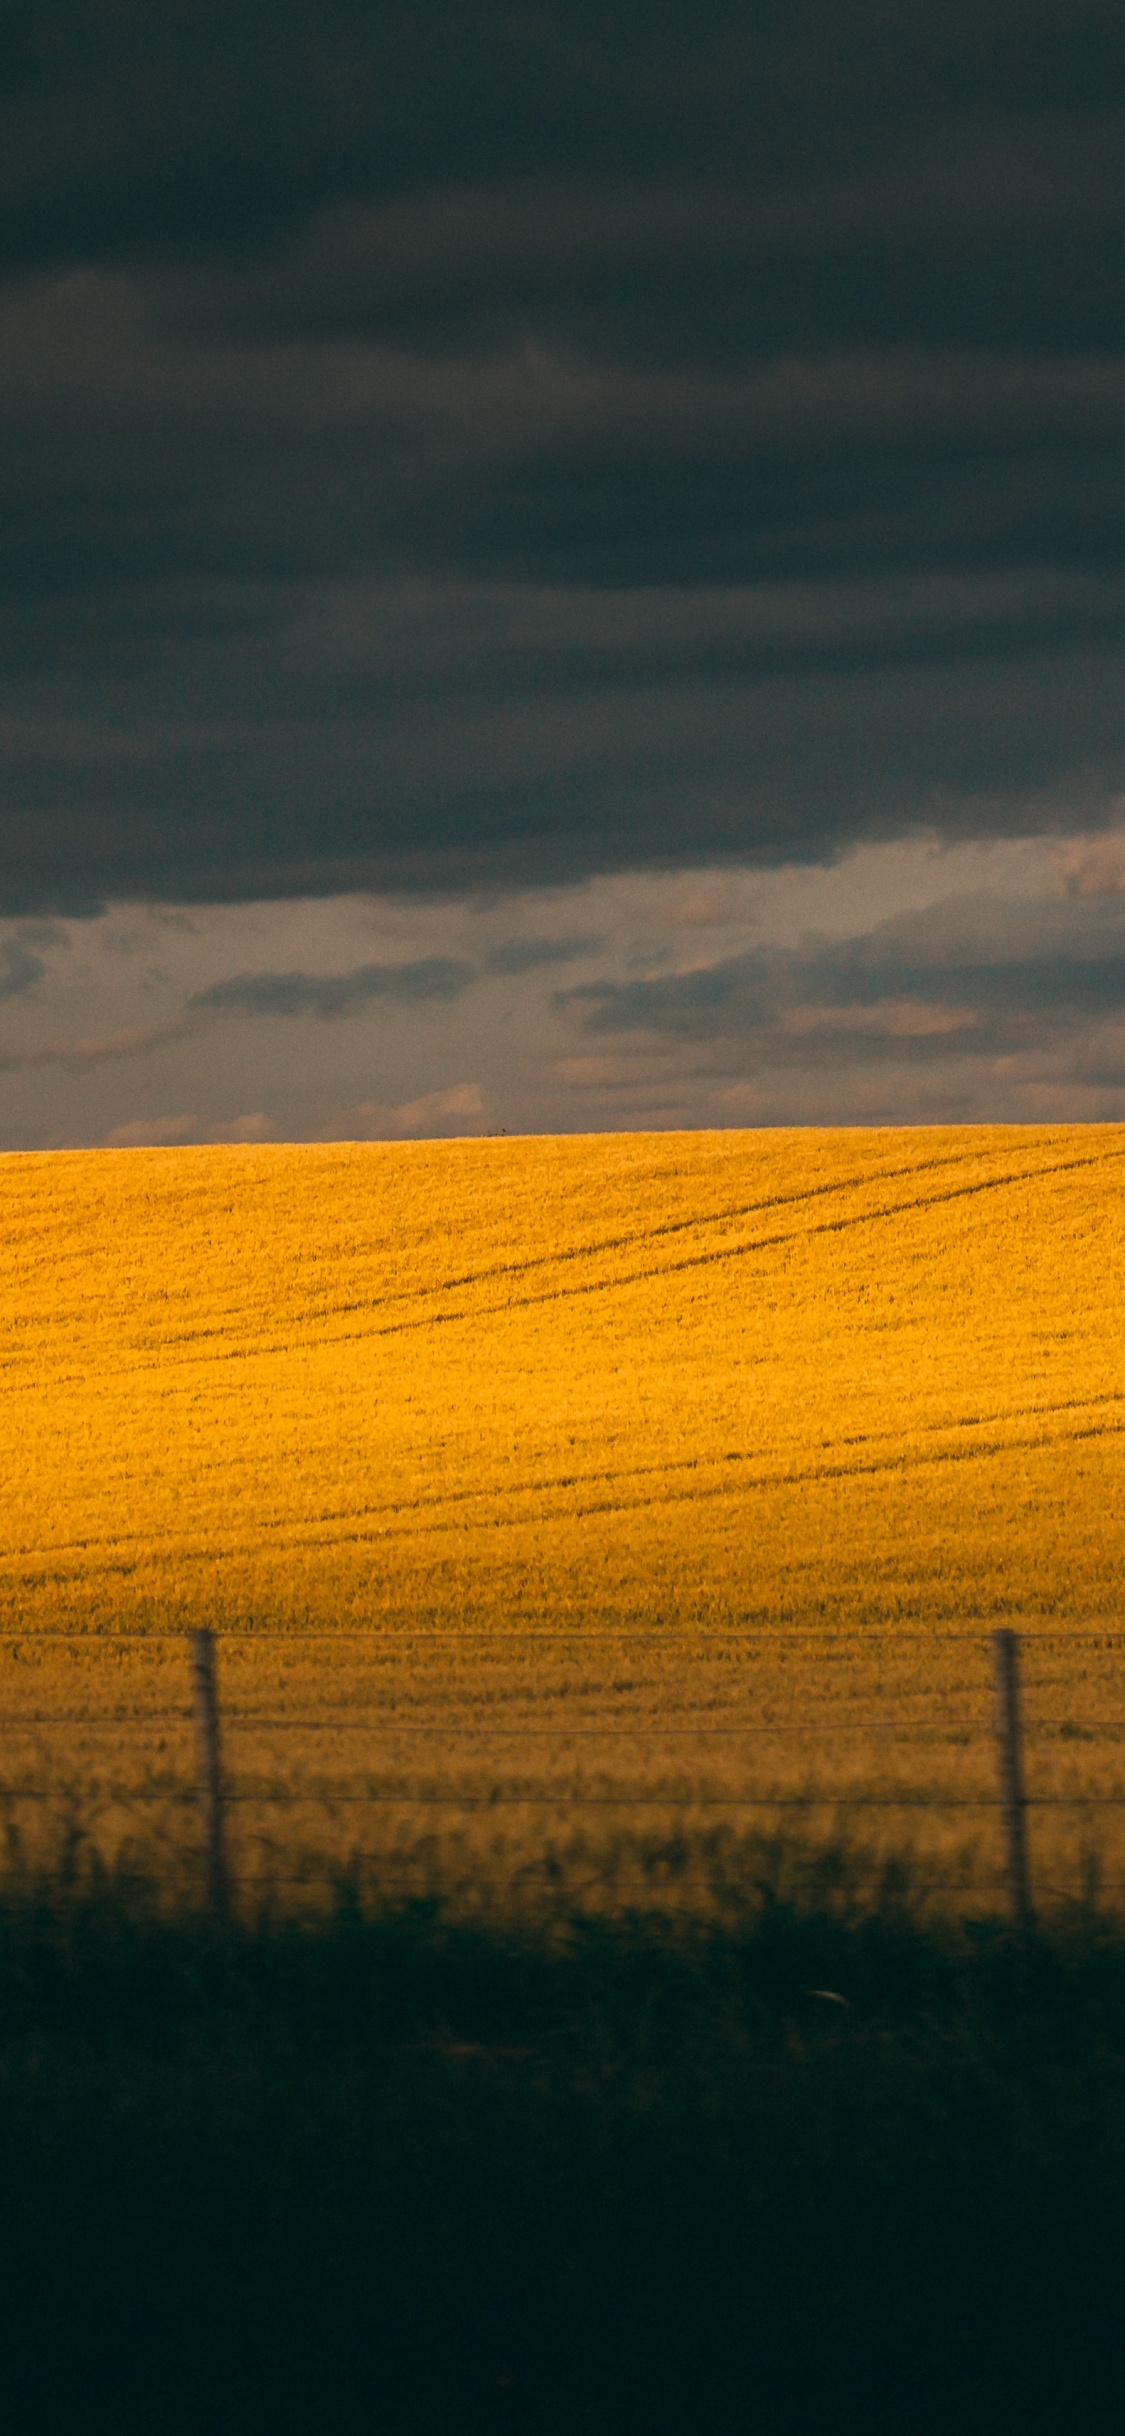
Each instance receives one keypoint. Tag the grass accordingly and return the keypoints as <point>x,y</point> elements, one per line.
<point>569,1510</point>
<point>626,2179</point>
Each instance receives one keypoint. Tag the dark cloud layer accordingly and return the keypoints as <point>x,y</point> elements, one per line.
<point>448,446</point>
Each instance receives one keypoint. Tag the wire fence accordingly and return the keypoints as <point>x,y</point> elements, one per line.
<point>214,1797</point>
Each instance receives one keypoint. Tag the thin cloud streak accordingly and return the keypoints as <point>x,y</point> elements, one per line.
<point>334,994</point>
<point>84,1050</point>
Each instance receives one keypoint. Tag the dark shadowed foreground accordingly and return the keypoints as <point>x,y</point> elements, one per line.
<point>414,2179</point>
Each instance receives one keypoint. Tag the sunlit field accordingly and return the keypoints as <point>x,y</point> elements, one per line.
<point>581,1514</point>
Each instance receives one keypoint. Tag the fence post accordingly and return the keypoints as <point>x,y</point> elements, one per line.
<point>210,1772</point>
<point>1005,1662</point>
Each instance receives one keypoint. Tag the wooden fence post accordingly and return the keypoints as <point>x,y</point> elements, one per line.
<point>210,1771</point>
<point>1005,1662</point>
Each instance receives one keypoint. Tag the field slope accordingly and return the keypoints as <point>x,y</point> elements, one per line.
<point>743,1411</point>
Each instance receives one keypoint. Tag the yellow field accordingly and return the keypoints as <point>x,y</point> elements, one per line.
<point>555,1498</point>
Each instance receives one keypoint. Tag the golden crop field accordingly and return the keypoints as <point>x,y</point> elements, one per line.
<point>573,1512</point>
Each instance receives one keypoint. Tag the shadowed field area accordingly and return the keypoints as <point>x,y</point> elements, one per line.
<point>819,2170</point>
<point>571,1511</point>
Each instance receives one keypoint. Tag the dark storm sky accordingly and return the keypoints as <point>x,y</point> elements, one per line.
<point>563,566</point>
<point>451,444</point>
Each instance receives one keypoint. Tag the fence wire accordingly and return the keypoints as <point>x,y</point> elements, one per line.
<point>214,1790</point>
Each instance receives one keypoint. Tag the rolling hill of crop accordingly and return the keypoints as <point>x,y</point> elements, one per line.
<point>563,1469</point>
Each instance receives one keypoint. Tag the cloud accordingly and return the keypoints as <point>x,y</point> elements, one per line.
<point>897,1019</point>
<point>149,1132</point>
<point>512,736</point>
<point>257,1127</point>
<point>19,969</point>
<point>214,132</point>
<point>1092,866</point>
<point>703,908</point>
<point>517,956</point>
<point>429,977</point>
<point>417,1116</point>
<point>167,1131</point>
<point>82,1050</point>
<point>973,975</point>
<point>467,448</point>
<point>449,1111</point>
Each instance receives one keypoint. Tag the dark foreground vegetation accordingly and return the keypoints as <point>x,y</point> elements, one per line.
<point>425,2181</point>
